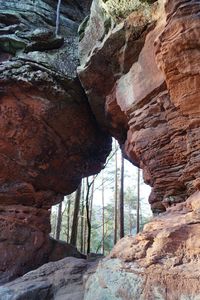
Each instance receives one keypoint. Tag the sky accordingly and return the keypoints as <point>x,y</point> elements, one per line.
<point>130,180</point>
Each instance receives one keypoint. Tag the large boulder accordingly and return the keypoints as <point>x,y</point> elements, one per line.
<point>49,139</point>
<point>61,280</point>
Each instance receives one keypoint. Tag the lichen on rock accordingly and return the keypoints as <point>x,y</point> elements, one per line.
<point>121,9</point>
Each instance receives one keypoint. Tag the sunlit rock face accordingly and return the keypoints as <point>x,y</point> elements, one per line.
<point>152,79</point>
<point>162,262</point>
<point>49,138</point>
<point>142,81</point>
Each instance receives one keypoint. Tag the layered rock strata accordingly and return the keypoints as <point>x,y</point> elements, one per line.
<point>142,80</point>
<point>162,262</point>
<point>150,70</point>
<point>49,138</point>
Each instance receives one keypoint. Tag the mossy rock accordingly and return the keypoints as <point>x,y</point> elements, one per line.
<point>121,9</point>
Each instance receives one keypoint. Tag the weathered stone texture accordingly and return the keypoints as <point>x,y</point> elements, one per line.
<point>61,280</point>
<point>162,262</point>
<point>159,97</point>
<point>149,72</point>
<point>143,85</point>
<point>49,139</point>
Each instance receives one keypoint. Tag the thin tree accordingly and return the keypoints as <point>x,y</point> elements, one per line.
<point>54,220</point>
<point>58,17</point>
<point>85,233</point>
<point>59,221</point>
<point>91,199</point>
<point>103,211</point>
<point>68,218</point>
<point>121,205</point>
<point>130,218</point>
<point>74,231</point>
<point>82,215</point>
<point>116,197</point>
<point>138,203</point>
<point>88,205</point>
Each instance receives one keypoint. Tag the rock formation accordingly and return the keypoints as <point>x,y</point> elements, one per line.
<point>141,77</point>
<point>61,280</point>
<point>162,262</point>
<point>49,138</point>
<point>144,75</point>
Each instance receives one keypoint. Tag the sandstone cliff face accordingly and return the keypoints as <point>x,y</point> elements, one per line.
<point>144,74</point>
<point>149,69</point>
<point>49,138</point>
<point>141,78</point>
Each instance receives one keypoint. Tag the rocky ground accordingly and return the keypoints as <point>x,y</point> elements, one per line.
<point>61,280</point>
<point>162,262</point>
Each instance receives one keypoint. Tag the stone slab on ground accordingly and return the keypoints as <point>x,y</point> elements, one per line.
<point>60,280</point>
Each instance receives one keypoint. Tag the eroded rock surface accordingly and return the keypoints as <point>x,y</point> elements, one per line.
<point>61,280</point>
<point>144,75</point>
<point>49,138</point>
<point>141,77</point>
<point>149,71</point>
<point>162,262</point>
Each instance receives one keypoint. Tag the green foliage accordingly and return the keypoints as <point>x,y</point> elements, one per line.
<point>120,9</point>
<point>96,240</point>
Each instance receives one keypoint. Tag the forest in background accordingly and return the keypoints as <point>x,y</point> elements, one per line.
<point>104,208</point>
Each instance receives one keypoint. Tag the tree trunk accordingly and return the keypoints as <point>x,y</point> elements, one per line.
<point>122,199</point>
<point>91,199</point>
<point>138,203</point>
<point>59,221</point>
<point>87,205</point>
<point>84,223</point>
<point>103,228</point>
<point>85,233</point>
<point>116,196</point>
<point>130,221</point>
<point>68,218</point>
<point>82,217</point>
<point>73,240</point>
<point>58,17</point>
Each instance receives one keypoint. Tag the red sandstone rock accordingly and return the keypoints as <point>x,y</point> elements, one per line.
<point>49,139</point>
<point>162,262</point>
<point>158,94</point>
<point>142,81</point>
<point>169,239</point>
